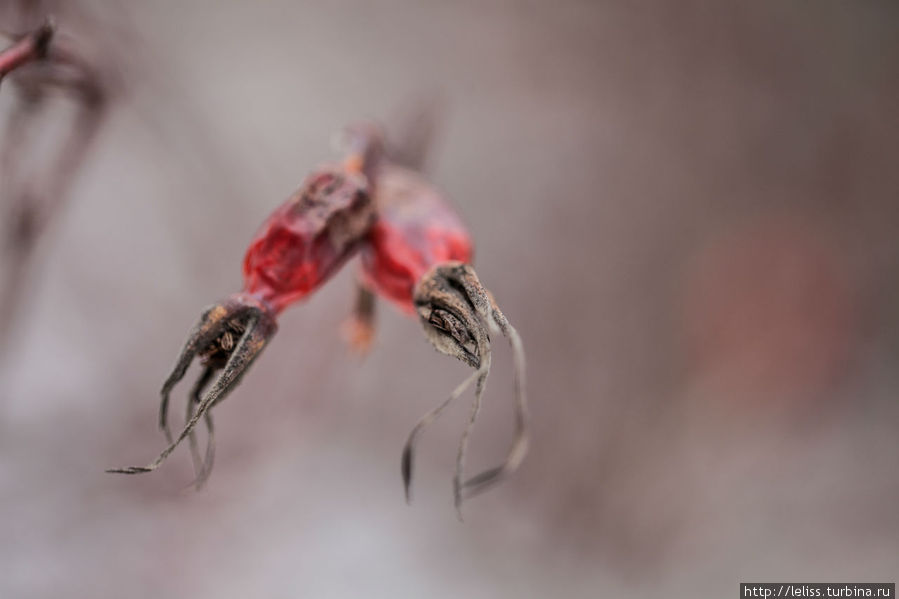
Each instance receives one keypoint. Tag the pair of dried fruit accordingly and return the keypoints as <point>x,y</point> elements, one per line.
<point>415,252</point>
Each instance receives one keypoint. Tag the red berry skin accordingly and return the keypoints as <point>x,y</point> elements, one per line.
<point>416,229</point>
<point>309,237</point>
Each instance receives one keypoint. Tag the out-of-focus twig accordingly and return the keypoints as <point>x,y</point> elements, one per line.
<point>46,63</point>
<point>30,48</point>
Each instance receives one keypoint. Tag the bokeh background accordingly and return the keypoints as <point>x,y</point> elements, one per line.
<point>690,211</point>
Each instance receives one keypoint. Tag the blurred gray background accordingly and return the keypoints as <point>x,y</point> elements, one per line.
<point>689,210</point>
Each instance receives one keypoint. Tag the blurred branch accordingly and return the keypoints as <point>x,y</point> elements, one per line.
<point>44,63</point>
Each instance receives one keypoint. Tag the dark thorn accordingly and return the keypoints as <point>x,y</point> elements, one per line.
<point>457,499</point>
<point>130,470</point>
<point>483,481</point>
<point>406,467</point>
<point>43,36</point>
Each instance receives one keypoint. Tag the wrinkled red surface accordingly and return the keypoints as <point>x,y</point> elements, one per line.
<point>294,252</point>
<point>416,229</point>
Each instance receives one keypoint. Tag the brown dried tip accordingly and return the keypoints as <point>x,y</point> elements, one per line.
<point>456,313</point>
<point>240,317</point>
